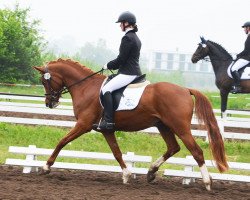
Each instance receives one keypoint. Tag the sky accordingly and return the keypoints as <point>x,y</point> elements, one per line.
<point>165,25</point>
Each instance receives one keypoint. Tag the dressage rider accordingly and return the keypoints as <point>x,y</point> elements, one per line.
<point>127,63</point>
<point>243,59</point>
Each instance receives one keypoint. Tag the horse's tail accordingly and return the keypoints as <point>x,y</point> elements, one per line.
<point>204,113</point>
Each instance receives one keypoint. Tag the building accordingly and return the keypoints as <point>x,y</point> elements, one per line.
<point>199,75</point>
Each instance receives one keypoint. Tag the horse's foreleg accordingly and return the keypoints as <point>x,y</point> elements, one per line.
<point>111,140</point>
<point>224,97</point>
<point>172,148</point>
<point>73,134</point>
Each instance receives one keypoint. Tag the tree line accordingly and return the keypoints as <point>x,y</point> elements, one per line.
<point>22,46</point>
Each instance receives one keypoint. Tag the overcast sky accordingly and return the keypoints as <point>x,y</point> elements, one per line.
<point>163,24</point>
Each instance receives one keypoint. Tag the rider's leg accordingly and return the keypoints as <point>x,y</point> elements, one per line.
<point>236,66</point>
<point>117,82</point>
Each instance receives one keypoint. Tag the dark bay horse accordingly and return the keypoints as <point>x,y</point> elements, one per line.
<point>220,60</point>
<point>164,105</point>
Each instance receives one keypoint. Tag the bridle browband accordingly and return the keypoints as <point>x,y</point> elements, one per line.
<point>57,94</point>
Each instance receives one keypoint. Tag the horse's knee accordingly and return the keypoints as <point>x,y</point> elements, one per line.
<point>176,150</point>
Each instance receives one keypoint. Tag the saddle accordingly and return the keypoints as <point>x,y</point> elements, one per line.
<point>118,94</point>
<point>244,72</point>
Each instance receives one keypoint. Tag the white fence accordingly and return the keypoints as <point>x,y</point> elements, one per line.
<point>189,174</point>
<point>66,110</point>
<point>30,163</point>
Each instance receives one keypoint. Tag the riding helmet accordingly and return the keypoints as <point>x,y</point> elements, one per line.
<point>127,17</point>
<point>247,24</point>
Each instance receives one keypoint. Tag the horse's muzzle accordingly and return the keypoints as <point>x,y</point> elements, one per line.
<point>194,59</point>
<point>52,104</point>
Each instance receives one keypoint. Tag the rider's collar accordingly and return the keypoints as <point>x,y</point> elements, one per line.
<point>128,29</point>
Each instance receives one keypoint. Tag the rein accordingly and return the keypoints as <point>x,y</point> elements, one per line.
<point>209,60</point>
<point>57,94</point>
<point>65,89</point>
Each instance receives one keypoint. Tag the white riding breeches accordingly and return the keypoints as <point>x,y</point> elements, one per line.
<point>118,82</point>
<point>235,66</point>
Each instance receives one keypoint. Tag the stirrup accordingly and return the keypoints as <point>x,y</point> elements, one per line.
<point>235,89</point>
<point>104,125</point>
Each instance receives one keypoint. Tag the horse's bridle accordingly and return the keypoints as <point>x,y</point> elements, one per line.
<point>54,95</point>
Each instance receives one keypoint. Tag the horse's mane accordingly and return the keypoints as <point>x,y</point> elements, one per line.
<point>222,49</point>
<point>71,63</point>
<point>74,64</point>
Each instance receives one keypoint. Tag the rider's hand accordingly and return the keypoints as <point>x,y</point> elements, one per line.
<point>105,67</point>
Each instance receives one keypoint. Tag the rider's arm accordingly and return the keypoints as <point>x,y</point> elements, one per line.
<point>124,51</point>
<point>246,51</point>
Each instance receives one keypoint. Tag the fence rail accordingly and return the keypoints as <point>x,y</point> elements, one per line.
<point>67,110</point>
<point>189,174</point>
<point>31,163</point>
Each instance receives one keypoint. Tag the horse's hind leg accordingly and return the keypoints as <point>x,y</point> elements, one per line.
<point>188,140</point>
<point>112,142</point>
<point>172,148</point>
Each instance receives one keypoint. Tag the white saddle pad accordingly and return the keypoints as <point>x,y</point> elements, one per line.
<point>131,96</point>
<point>245,75</point>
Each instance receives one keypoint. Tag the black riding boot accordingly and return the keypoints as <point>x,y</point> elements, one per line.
<point>236,88</point>
<point>107,122</point>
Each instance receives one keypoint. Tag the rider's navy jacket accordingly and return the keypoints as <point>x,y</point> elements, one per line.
<point>127,62</point>
<point>245,54</point>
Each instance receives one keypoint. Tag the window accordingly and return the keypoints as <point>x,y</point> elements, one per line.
<point>191,67</point>
<point>182,62</point>
<point>170,61</point>
<point>157,60</point>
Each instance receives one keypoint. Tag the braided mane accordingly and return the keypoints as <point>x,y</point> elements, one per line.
<point>72,63</point>
<point>222,49</point>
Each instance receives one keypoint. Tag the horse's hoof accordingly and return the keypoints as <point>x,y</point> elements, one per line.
<point>44,170</point>
<point>208,185</point>
<point>151,176</point>
<point>126,175</point>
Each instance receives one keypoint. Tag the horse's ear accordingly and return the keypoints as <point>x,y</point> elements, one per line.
<point>203,41</point>
<point>40,69</point>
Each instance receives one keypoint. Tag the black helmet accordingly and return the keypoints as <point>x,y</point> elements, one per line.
<point>127,17</point>
<point>247,24</point>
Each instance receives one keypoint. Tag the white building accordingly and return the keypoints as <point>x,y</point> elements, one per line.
<point>169,61</point>
<point>199,75</point>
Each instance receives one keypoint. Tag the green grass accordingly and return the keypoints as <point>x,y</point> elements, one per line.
<point>139,143</point>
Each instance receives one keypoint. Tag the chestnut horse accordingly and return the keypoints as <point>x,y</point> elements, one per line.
<point>164,105</point>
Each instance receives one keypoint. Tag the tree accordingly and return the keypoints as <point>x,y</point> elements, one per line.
<point>97,53</point>
<point>20,46</point>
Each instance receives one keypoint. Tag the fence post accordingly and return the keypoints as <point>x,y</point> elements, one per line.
<point>221,127</point>
<point>187,181</point>
<point>131,164</point>
<point>30,157</point>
